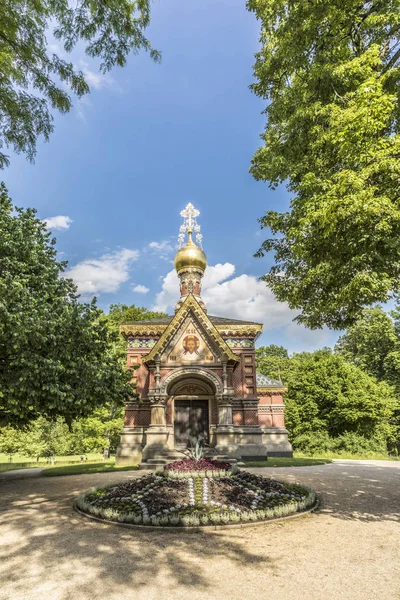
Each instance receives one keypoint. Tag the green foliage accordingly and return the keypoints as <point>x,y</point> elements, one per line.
<point>122,313</point>
<point>33,81</point>
<point>348,443</point>
<point>329,398</point>
<point>57,356</point>
<point>369,342</point>
<point>45,438</point>
<point>98,431</point>
<point>373,344</point>
<point>10,442</point>
<point>327,394</point>
<point>330,73</point>
<point>273,361</point>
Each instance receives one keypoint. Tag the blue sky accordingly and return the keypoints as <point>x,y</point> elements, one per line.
<point>149,139</point>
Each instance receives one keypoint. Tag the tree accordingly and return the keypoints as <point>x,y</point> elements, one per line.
<point>34,81</point>
<point>368,343</point>
<point>327,393</point>
<point>58,357</point>
<point>331,403</point>
<point>98,431</point>
<point>10,442</point>
<point>373,344</point>
<point>122,313</point>
<point>272,360</point>
<point>45,438</point>
<point>330,73</point>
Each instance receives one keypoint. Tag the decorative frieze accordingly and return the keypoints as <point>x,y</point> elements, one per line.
<point>141,342</point>
<point>250,330</point>
<point>240,342</point>
<point>142,329</point>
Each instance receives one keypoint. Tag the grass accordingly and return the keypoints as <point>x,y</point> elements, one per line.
<point>288,462</point>
<point>20,459</point>
<point>85,468</point>
<point>94,462</point>
<point>349,455</point>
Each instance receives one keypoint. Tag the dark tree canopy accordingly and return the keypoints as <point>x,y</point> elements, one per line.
<point>58,357</point>
<point>330,73</point>
<point>122,313</point>
<point>34,81</point>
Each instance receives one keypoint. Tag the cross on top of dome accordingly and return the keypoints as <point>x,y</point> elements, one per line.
<point>190,225</point>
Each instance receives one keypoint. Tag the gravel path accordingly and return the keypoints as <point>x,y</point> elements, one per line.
<point>350,549</point>
<point>21,473</point>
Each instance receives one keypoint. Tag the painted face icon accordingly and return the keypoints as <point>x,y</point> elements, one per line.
<point>191,344</point>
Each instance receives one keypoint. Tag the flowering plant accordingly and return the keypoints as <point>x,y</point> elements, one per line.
<point>202,464</point>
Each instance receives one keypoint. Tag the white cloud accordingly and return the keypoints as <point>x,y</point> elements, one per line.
<point>104,274</point>
<point>161,247</point>
<point>97,80</point>
<point>246,297</point>
<point>61,222</point>
<point>243,297</point>
<point>140,289</point>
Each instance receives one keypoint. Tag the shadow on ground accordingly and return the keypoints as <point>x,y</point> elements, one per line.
<point>50,552</point>
<point>351,491</point>
<point>45,530</point>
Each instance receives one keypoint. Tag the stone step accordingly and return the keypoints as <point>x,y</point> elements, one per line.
<point>151,466</point>
<point>165,458</point>
<point>157,461</point>
<point>171,454</point>
<point>224,458</point>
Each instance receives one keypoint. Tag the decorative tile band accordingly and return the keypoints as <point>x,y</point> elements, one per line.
<point>141,342</point>
<point>240,342</point>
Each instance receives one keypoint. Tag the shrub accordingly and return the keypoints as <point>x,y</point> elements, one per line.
<point>355,444</point>
<point>313,443</point>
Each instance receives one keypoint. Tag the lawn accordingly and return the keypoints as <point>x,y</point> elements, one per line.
<point>288,462</point>
<point>26,462</point>
<point>103,467</point>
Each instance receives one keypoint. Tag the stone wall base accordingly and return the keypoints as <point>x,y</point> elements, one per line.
<point>276,442</point>
<point>249,443</point>
<point>130,449</point>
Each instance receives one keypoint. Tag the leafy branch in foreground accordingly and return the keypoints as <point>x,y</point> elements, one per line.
<point>33,81</point>
<point>330,72</point>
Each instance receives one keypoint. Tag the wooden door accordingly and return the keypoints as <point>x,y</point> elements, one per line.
<point>191,422</point>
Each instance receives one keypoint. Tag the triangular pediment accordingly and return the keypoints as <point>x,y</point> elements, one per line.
<point>191,338</point>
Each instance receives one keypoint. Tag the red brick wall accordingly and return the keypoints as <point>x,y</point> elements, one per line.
<point>137,417</point>
<point>140,375</point>
<point>237,417</point>
<point>244,376</point>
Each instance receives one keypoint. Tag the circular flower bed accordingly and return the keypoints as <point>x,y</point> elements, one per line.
<point>196,498</point>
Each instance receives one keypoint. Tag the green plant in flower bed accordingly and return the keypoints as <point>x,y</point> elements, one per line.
<point>197,500</point>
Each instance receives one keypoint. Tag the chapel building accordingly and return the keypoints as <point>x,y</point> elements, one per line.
<point>197,377</point>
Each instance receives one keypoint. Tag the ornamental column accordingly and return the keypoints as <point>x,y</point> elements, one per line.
<point>157,433</point>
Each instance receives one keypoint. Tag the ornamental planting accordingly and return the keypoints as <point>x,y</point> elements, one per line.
<point>193,498</point>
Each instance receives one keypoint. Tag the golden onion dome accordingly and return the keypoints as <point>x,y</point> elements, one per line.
<point>190,255</point>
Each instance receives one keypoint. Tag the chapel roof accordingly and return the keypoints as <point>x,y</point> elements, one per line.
<point>264,381</point>
<point>215,320</point>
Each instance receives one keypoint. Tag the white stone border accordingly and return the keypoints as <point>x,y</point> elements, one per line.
<point>206,528</point>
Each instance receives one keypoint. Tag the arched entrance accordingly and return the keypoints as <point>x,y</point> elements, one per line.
<point>191,408</point>
<point>192,404</point>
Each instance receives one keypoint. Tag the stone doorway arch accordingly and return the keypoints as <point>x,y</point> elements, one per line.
<point>192,406</point>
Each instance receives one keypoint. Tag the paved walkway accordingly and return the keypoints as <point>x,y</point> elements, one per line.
<point>21,473</point>
<point>349,550</point>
